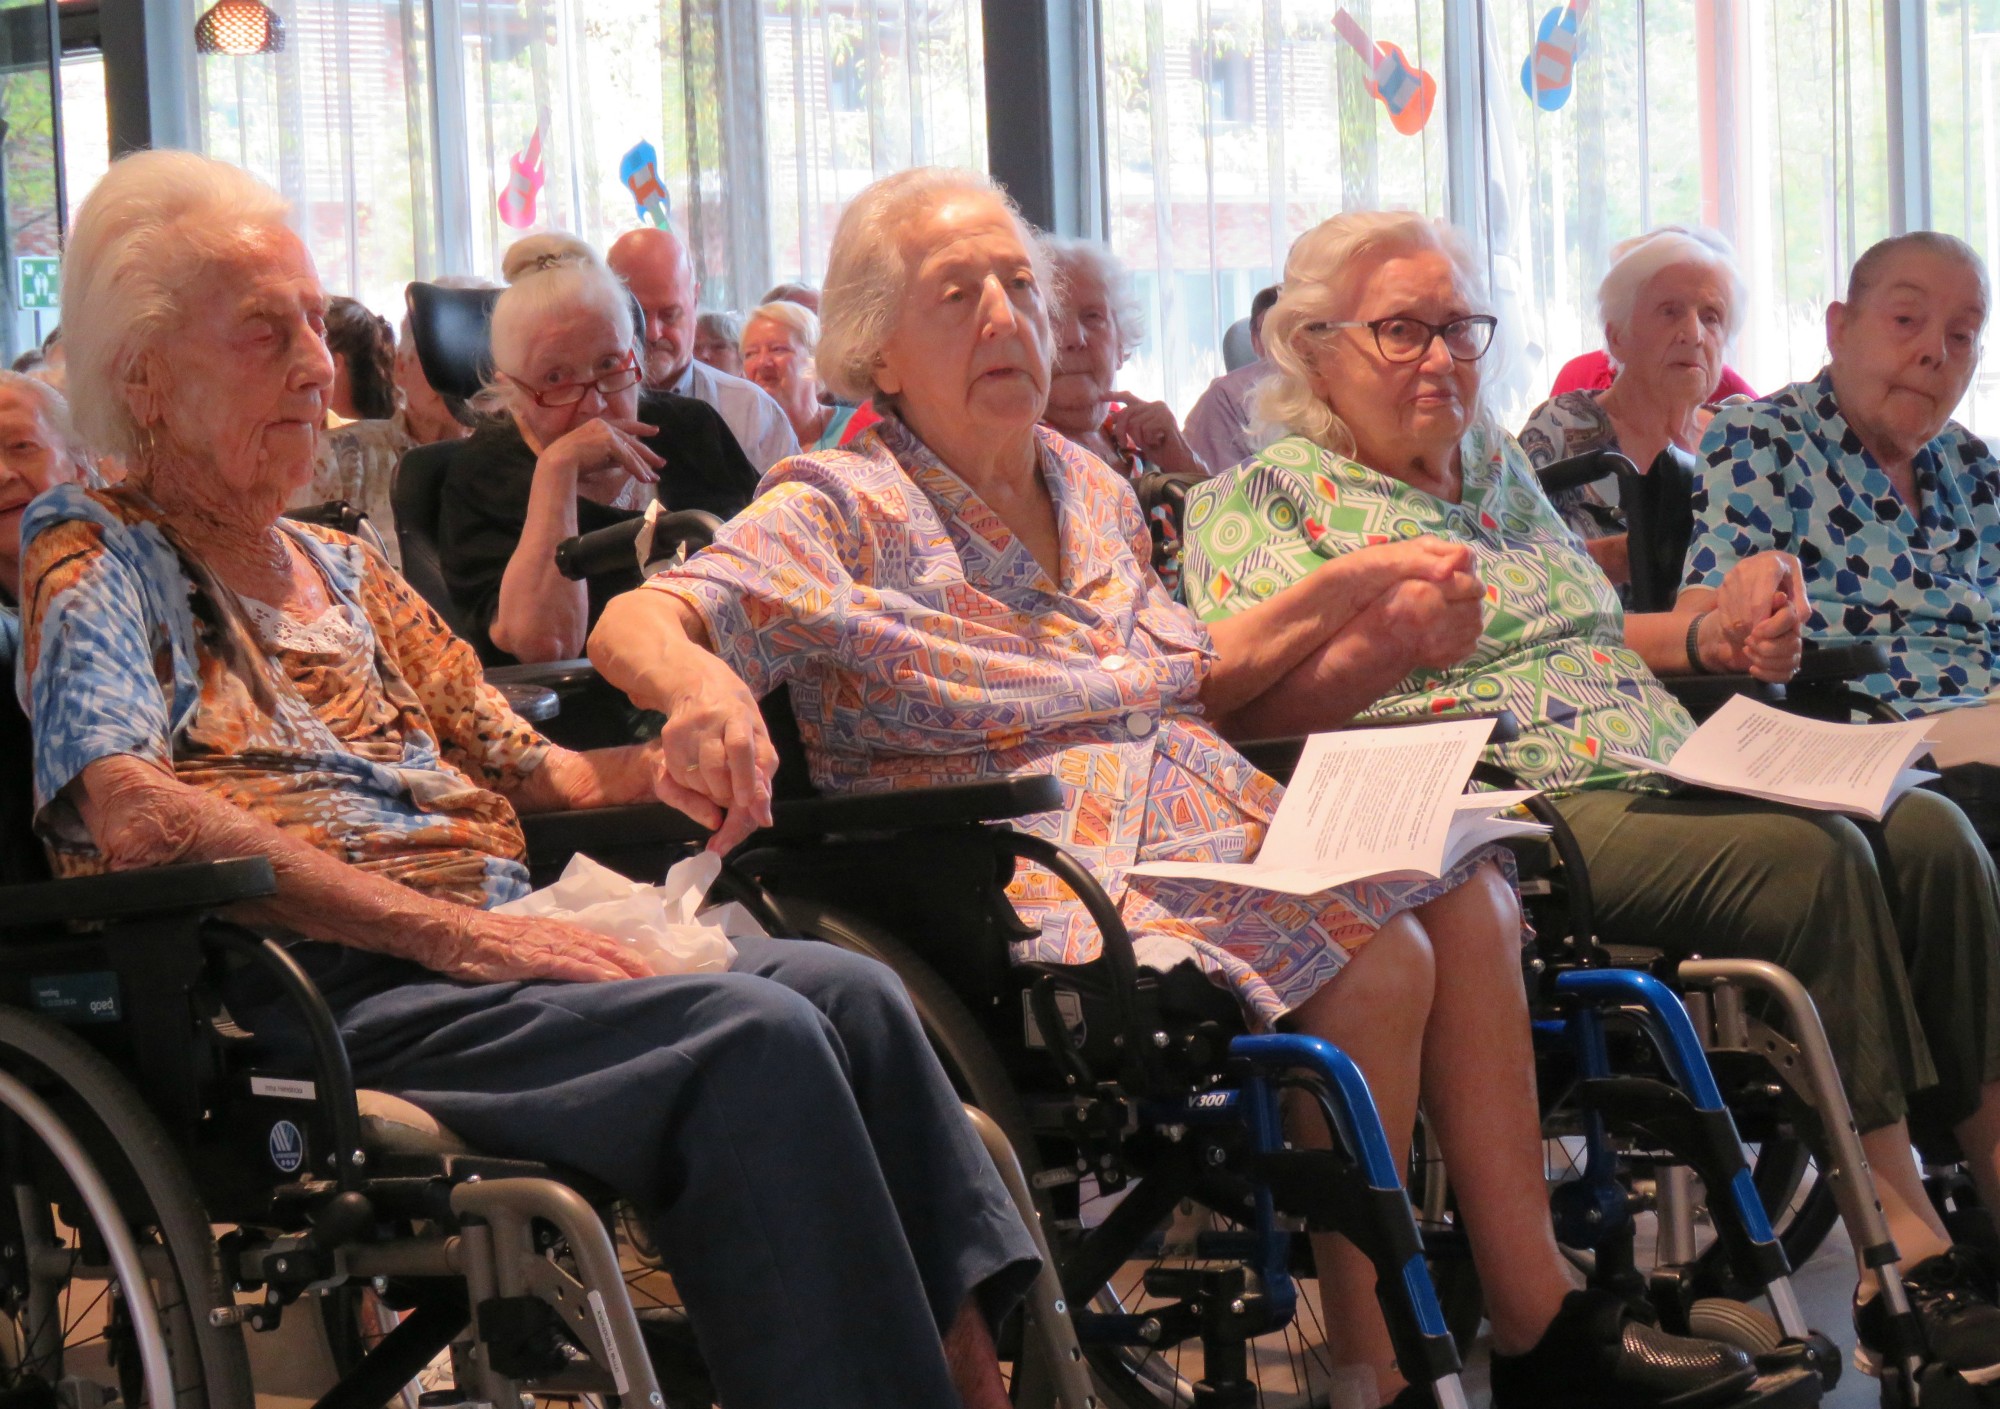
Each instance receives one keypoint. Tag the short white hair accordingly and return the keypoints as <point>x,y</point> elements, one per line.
<point>1634,262</point>
<point>866,273</point>
<point>801,322</point>
<point>144,234</point>
<point>1320,271</point>
<point>1072,256</point>
<point>54,413</point>
<point>549,275</point>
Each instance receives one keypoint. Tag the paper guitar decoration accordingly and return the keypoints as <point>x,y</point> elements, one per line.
<point>517,202</point>
<point>1405,90</point>
<point>640,171</point>
<point>1547,73</point>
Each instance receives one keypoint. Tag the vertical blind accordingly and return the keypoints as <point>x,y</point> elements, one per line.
<point>762,118</point>
<point>1230,126</point>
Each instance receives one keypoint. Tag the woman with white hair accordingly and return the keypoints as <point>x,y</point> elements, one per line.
<point>966,594</point>
<point>209,680</point>
<point>38,451</point>
<point>1670,304</point>
<point>1378,338</point>
<point>1099,323</point>
<point>573,447</point>
<point>779,343</point>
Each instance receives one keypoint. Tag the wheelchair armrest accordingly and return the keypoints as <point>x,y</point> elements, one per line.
<point>1278,758</point>
<point>948,805</point>
<point>1853,660</point>
<point>607,829</point>
<point>562,676</point>
<point>1702,695</point>
<point>535,703</point>
<point>157,890</point>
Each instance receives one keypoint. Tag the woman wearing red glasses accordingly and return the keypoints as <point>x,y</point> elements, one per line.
<point>572,447</point>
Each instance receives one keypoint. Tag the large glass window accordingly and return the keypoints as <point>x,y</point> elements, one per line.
<point>29,217</point>
<point>339,123</point>
<point>1964,62</point>
<point>1231,127</point>
<point>1765,121</point>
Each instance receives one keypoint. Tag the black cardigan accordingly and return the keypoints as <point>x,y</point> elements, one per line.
<point>484,502</point>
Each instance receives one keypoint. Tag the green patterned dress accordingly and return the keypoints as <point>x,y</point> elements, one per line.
<point>1553,648</point>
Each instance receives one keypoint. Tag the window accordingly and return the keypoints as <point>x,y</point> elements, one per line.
<point>1233,126</point>
<point>338,122</point>
<point>1964,61</point>
<point>1767,122</point>
<point>28,182</point>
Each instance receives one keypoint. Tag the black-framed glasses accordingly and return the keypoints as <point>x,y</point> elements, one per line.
<point>569,393</point>
<point>1404,339</point>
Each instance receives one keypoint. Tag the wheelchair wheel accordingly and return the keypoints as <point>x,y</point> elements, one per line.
<point>1289,1367</point>
<point>60,1313</point>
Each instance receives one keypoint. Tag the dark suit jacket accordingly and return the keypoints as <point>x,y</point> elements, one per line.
<point>484,502</point>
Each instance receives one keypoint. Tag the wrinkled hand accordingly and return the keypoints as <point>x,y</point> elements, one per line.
<point>1149,429</point>
<point>492,948</point>
<point>609,461</point>
<point>1759,619</point>
<point>716,760</point>
<point>1429,625</point>
<point>1379,568</point>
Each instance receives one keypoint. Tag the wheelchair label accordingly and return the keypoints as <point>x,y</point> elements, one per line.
<point>282,1088</point>
<point>287,1144</point>
<point>78,998</point>
<point>1069,1007</point>
<point>617,1361</point>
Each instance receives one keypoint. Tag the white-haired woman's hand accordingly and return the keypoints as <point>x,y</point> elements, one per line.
<point>716,758</point>
<point>488,948</point>
<point>1758,623</point>
<point>608,459</point>
<point>1148,428</point>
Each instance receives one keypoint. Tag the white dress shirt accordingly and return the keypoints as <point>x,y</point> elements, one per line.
<point>758,423</point>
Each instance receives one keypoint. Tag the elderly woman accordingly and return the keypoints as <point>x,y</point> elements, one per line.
<point>779,340</point>
<point>965,594</point>
<point>1892,507</point>
<point>717,333</point>
<point>1378,338</point>
<point>1099,322</point>
<point>209,681</point>
<point>1669,305</point>
<point>38,451</point>
<point>574,447</point>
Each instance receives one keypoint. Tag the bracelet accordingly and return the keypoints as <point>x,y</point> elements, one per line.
<point>1694,644</point>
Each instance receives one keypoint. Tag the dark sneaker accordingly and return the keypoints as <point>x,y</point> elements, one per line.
<point>1595,1354</point>
<point>1953,1296</point>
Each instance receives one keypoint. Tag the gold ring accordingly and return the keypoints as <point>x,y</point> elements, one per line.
<point>694,767</point>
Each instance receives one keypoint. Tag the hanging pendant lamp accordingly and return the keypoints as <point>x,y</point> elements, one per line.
<point>240,27</point>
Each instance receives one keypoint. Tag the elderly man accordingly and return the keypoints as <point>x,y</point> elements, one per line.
<point>1892,507</point>
<point>37,452</point>
<point>1219,426</point>
<point>655,265</point>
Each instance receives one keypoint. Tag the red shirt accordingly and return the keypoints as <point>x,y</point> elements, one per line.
<point>1592,372</point>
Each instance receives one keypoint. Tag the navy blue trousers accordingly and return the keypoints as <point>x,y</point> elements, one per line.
<point>822,1202</point>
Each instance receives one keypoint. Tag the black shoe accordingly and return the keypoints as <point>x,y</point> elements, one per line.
<point>1595,1354</point>
<point>1953,1296</point>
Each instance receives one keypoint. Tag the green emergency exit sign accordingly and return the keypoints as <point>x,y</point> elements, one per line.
<point>38,281</point>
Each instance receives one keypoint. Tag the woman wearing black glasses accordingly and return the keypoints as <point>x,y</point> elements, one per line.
<point>572,447</point>
<point>1379,436</point>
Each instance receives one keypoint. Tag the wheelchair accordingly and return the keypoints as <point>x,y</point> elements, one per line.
<point>1106,1143</point>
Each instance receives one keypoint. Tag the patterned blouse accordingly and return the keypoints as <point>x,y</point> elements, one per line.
<point>391,754</point>
<point>358,462</point>
<point>1569,425</point>
<point>924,644</point>
<point>1553,649</point>
<point>1788,473</point>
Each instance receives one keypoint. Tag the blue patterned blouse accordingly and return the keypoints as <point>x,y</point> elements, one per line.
<point>1788,473</point>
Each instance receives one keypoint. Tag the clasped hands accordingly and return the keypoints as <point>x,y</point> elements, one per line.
<point>1757,624</point>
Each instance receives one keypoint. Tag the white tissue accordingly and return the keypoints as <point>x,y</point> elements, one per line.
<point>662,922</point>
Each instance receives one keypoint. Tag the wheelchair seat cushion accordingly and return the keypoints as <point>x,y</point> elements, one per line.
<point>391,1125</point>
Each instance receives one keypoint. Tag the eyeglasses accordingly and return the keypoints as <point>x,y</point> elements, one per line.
<point>1409,339</point>
<point>569,393</point>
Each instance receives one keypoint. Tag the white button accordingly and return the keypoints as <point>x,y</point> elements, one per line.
<point>1140,723</point>
<point>1115,662</point>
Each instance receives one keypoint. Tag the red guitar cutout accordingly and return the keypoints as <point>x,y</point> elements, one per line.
<point>1405,90</point>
